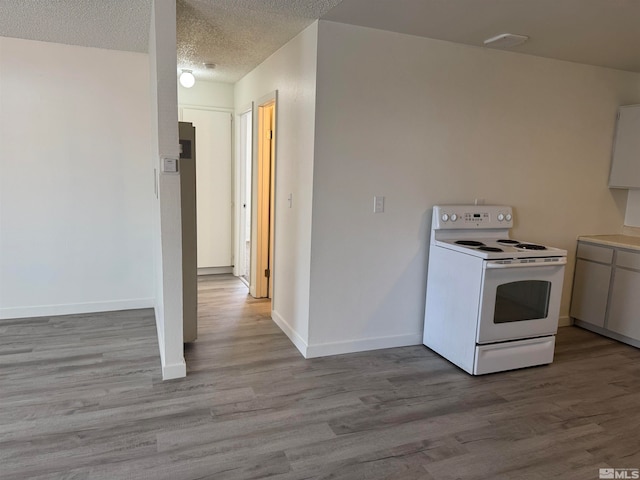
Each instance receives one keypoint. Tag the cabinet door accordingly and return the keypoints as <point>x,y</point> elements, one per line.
<point>624,313</point>
<point>590,292</point>
<point>625,164</point>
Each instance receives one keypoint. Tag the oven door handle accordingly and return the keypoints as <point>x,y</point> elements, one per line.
<point>536,264</point>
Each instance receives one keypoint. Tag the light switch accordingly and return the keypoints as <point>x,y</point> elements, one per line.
<point>290,200</point>
<point>378,204</point>
<point>170,165</point>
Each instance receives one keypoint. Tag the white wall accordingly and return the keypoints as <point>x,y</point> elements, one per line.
<point>205,93</point>
<point>75,195</point>
<point>292,72</point>
<point>424,122</point>
<point>166,207</point>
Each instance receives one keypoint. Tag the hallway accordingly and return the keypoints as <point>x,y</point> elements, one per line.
<point>232,326</point>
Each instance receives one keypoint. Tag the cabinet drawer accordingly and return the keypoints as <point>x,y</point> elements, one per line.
<point>594,253</point>
<point>628,259</point>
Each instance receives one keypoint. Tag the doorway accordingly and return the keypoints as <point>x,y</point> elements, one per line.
<point>265,224</point>
<point>213,147</point>
<point>244,187</point>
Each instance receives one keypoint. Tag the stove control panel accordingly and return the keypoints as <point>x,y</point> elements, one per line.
<point>478,217</point>
<point>472,217</point>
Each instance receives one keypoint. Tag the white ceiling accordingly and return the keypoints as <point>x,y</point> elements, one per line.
<point>238,35</point>
<point>595,32</point>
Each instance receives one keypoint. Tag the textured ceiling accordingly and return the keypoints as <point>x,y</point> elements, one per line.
<point>111,24</point>
<point>237,35</point>
<point>595,32</point>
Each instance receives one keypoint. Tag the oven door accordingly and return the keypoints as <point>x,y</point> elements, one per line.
<point>520,298</point>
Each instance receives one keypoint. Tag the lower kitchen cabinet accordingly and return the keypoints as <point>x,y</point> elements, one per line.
<point>606,291</point>
<point>590,292</point>
<point>624,310</point>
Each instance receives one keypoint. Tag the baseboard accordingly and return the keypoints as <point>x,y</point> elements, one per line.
<point>214,270</point>
<point>565,321</point>
<point>76,308</point>
<point>295,338</point>
<point>174,370</point>
<point>607,333</point>
<point>363,345</point>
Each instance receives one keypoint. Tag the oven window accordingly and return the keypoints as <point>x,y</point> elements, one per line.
<point>523,300</point>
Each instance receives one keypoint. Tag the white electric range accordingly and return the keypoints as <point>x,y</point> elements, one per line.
<point>492,302</point>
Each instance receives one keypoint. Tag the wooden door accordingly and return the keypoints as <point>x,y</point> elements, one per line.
<point>265,200</point>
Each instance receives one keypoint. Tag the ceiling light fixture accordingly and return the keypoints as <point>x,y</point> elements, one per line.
<point>505,40</point>
<point>187,80</point>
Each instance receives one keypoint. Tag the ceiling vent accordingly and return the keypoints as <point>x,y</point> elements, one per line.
<point>505,40</point>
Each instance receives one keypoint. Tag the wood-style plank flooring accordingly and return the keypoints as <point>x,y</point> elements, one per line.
<point>82,397</point>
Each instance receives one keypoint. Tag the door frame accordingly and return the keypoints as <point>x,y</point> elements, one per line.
<point>240,173</point>
<point>263,201</point>
<point>230,112</point>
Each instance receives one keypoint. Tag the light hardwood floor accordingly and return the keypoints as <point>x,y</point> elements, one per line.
<point>81,397</point>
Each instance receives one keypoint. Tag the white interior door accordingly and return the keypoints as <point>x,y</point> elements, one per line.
<point>245,172</point>
<point>213,186</point>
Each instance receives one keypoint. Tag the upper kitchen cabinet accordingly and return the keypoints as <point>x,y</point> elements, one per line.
<point>625,164</point>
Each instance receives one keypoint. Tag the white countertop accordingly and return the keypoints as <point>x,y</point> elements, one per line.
<point>617,240</point>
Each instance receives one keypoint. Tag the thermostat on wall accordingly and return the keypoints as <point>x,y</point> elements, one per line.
<point>170,165</point>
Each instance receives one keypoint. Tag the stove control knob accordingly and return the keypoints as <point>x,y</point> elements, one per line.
<point>454,217</point>
<point>445,217</point>
<point>500,217</point>
<point>508,217</point>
